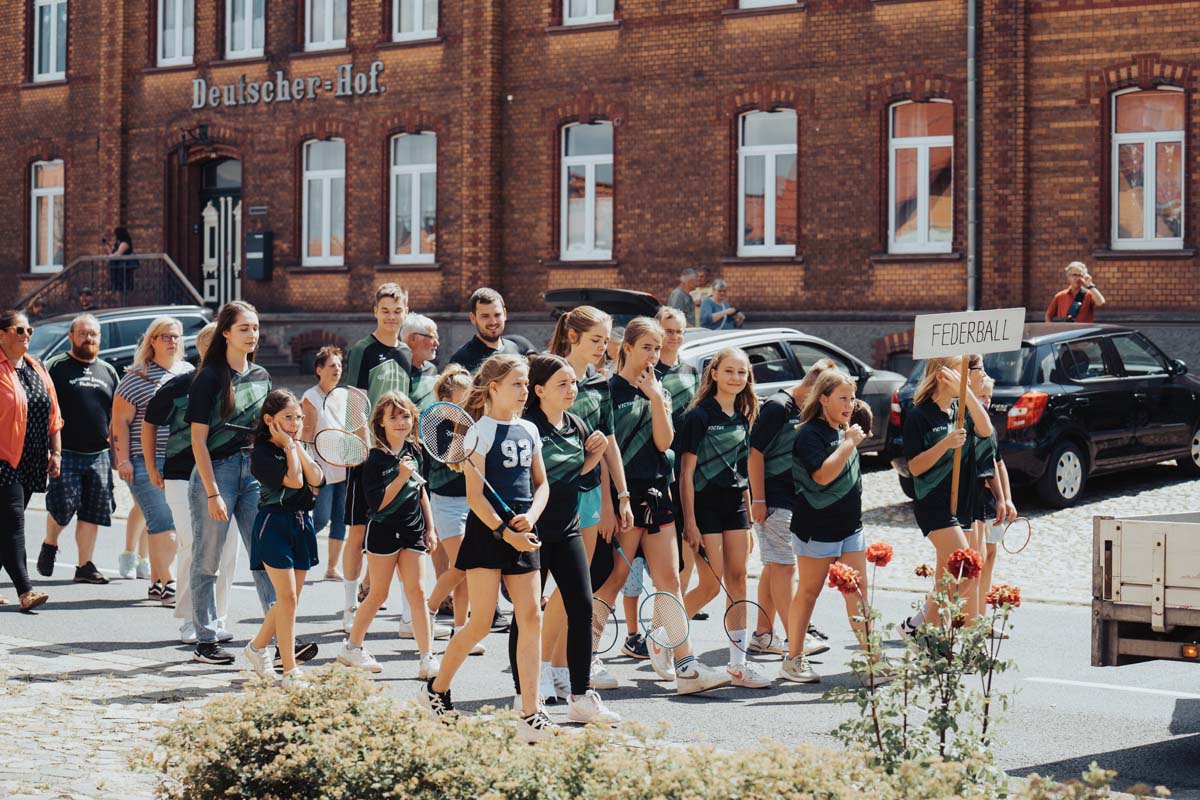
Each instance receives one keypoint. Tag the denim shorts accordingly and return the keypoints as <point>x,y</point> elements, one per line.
<point>150,499</point>
<point>589,508</point>
<point>854,543</point>
<point>449,515</point>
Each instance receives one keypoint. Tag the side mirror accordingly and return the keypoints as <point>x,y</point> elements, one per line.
<point>1178,367</point>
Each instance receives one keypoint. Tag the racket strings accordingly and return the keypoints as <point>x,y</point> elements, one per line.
<point>604,626</point>
<point>740,619</point>
<point>665,620</point>
<point>340,448</point>
<point>443,431</point>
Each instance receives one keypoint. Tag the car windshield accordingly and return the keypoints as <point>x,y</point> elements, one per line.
<point>1005,369</point>
<point>46,334</point>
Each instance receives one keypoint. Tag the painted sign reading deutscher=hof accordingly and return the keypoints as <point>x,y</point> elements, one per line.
<point>346,82</point>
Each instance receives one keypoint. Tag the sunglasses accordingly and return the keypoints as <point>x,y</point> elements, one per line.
<point>22,331</point>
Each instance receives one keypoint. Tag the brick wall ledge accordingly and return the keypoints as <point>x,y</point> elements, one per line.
<point>238,62</point>
<point>300,269</point>
<point>418,266</point>
<point>558,263</point>
<point>154,69</point>
<point>611,25</point>
<point>764,11</point>
<point>914,258</point>
<point>404,44</point>
<point>759,261</point>
<point>42,84</point>
<point>300,54</point>
<point>1145,255</point>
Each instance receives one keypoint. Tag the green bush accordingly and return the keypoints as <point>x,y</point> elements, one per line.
<point>343,740</point>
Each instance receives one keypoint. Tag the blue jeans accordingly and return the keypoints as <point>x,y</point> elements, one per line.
<point>330,510</point>
<point>239,490</point>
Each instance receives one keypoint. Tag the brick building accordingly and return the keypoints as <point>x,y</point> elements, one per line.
<point>814,154</point>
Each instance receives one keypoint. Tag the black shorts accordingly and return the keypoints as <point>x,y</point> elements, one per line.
<point>933,513</point>
<point>720,509</point>
<point>481,550</point>
<point>651,504</point>
<point>387,539</point>
<point>356,498</point>
<point>985,502</point>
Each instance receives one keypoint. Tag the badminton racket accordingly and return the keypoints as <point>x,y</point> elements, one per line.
<point>740,616</point>
<point>443,429</point>
<point>347,408</point>
<point>336,447</point>
<point>604,626</point>
<point>662,617</point>
<point>1016,535</point>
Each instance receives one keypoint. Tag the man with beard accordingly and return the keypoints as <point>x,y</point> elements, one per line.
<point>488,316</point>
<point>84,488</point>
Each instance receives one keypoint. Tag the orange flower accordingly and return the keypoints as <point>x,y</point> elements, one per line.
<point>880,554</point>
<point>1004,595</point>
<point>923,571</point>
<point>965,563</point>
<point>844,578</point>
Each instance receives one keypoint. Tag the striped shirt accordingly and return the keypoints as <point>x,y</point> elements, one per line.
<point>136,388</point>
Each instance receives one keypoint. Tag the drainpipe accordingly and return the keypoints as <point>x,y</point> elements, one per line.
<point>972,158</point>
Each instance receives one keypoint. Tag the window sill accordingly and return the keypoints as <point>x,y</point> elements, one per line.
<point>1145,255</point>
<point>610,25</point>
<point>166,70</point>
<point>914,258</point>
<point>558,263</point>
<point>300,269</point>
<point>333,51</point>
<point>895,2</point>
<point>413,266</point>
<point>405,44</point>
<point>40,84</point>
<point>47,273</point>
<point>764,11</point>
<point>230,62</point>
<point>755,261</point>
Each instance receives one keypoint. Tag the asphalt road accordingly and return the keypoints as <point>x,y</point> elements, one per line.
<point>1142,720</point>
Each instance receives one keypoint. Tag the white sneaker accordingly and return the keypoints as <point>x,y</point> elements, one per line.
<point>259,660</point>
<point>748,675</point>
<point>127,565</point>
<point>347,620</point>
<point>813,646</point>
<point>295,679</point>
<point>700,678</point>
<point>798,670</point>
<point>588,709</point>
<point>538,728</point>
<point>358,658</point>
<point>429,667</point>
<point>546,688</point>
<point>187,633</point>
<point>562,682</point>
<point>142,569</point>
<point>767,643</point>
<point>223,635</point>
<point>662,659</point>
<point>519,707</point>
<point>478,649</point>
<point>438,630</point>
<point>600,677</point>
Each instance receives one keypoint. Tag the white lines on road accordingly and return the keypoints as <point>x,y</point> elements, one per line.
<point>1116,687</point>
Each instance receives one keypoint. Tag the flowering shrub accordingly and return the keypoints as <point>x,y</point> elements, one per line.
<point>341,740</point>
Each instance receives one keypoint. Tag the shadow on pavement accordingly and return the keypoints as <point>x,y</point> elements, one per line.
<point>1170,763</point>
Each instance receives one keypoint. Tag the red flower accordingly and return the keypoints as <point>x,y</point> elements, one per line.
<point>923,571</point>
<point>844,578</point>
<point>965,563</point>
<point>1004,595</point>
<point>880,554</point>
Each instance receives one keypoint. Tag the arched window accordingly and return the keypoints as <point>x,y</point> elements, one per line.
<point>412,232</point>
<point>921,177</point>
<point>324,214</point>
<point>1147,169</point>
<point>587,192</point>
<point>767,185</point>
<point>46,223</point>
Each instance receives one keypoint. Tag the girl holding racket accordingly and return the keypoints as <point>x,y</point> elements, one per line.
<point>995,509</point>
<point>713,446</point>
<point>506,453</point>
<point>826,510</point>
<point>284,542</point>
<point>642,421</point>
<point>931,436</point>
<point>569,450</point>
<point>582,337</point>
<point>400,530</point>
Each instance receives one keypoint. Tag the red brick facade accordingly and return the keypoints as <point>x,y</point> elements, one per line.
<point>501,79</point>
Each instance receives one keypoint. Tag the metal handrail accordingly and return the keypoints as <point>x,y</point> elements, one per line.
<point>89,270</point>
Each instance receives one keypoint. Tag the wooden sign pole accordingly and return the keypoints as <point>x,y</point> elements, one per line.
<point>962,408</point>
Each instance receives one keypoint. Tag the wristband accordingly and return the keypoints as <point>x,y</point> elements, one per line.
<point>498,533</point>
<point>623,495</point>
<point>758,502</point>
<point>211,496</point>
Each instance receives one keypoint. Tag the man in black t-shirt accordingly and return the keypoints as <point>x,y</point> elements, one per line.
<point>488,315</point>
<point>84,384</point>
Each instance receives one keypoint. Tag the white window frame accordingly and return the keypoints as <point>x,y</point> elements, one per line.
<point>922,144</point>
<point>770,153</point>
<point>182,43</point>
<point>588,18</point>
<point>765,3</point>
<point>57,195</point>
<point>416,171</point>
<point>330,16</point>
<point>589,251</point>
<point>247,32</point>
<point>58,71</point>
<point>326,178</point>
<point>419,30</point>
<point>1149,141</point>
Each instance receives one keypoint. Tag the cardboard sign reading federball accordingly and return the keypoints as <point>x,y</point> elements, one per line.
<point>961,333</point>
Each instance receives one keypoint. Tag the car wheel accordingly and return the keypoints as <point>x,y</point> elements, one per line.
<point>906,486</point>
<point>1190,463</point>
<point>1062,483</point>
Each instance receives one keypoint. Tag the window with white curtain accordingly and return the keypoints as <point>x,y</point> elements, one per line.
<point>920,177</point>
<point>245,28</point>
<point>46,223</point>
<point>324,212</point>
<point>587,192</point>
<point>324,24</point>
<point>412,232</point>
<point>414,19</point>
<point>49,40</point>
<point>176,32</point>
<point>764,3</point>
<point>767,183</point>
<point>1148,169</point>
<point>584,12</point>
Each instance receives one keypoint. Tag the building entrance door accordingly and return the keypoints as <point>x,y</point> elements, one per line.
<point>221,231</point>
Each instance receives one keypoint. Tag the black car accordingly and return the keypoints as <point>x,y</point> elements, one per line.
<point>1079,400</point>
<point>120,331</point>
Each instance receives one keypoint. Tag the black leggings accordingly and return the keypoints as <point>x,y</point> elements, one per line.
<point>567,562</point>
<point>13,500</point>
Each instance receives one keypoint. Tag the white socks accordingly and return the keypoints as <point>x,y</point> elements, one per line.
<point>350,590</point>
<point>737,647</point>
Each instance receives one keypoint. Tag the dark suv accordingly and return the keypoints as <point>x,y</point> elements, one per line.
<point>1079,400</point>
<point>120,331</point>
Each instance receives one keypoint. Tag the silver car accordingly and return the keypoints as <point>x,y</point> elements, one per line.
<point>120,331</point>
